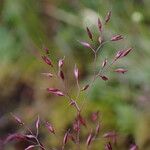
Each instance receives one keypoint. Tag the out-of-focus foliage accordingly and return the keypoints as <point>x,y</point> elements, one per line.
<point>26,26</point>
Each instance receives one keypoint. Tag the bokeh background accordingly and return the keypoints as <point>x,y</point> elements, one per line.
<point>27,26</point>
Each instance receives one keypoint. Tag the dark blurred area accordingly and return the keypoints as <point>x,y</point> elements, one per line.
<point>27,26</point>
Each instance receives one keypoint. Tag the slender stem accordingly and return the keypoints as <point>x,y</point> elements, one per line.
<point>40,145</point>
<point>37,131</point>
<point>93,50</point>
<point>99,47</point>
<point>95,58</point>
<point>79,89</point>
<point>78,137</point>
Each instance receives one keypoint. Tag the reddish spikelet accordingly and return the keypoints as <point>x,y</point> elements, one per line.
<point>17,119</point>
<point>134,147</point>
<point>121,70</point>
<point>104,78</point>
<point>117,37</point>
<point>65,139</point>
<point>47,60</point>
<point>123,53</point>
<point>110,135</point>
<point>48,74</point>
<point>89,33</point>
<point>108,16</point>
<point>85,44</point>
<point>61,63</point>
<point>108,146</point>
<point>104,63</point>
<point>95,116</point>
<point>56,92</point>
<point>126,52</point>
<point>50,127</point>
<point>119,54</point>
<point>99,25</point>
<point>76,72</point>
<point>89,139</point>
<point>61,74</point>
<point>85,87</point>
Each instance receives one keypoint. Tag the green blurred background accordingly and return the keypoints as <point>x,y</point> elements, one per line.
<point>26,26</point>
